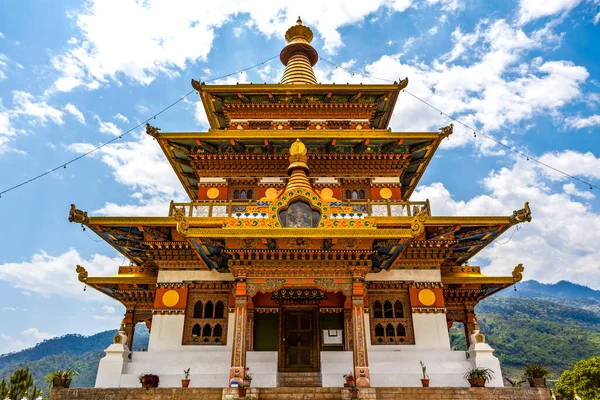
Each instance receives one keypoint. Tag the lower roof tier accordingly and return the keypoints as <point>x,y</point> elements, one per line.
<point>182,241</point>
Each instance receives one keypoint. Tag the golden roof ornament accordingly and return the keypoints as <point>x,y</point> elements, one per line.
<point>298,55</point>
<point>298,168</point>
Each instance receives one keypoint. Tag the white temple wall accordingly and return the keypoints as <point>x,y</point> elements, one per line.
<point>167,334</point>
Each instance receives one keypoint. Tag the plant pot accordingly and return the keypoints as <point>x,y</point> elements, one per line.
<point>185,383</point>
<point>57,383</point>
<point>477,382</point>
<point>242,392</point>
<point>537,382</point>
<point>247,382</point>
<point>67,383</point>
<point>425,382</point>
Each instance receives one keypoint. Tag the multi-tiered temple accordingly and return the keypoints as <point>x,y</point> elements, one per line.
<point>299,251</point>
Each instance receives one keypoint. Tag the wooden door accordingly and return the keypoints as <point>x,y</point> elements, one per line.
<point>300,344</point>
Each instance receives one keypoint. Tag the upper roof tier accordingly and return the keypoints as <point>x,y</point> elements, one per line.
<point>271,106</point>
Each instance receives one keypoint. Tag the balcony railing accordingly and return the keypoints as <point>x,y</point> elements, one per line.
<point>360,208</point>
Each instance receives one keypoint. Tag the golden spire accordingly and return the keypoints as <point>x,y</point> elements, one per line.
<point>298,55</point>
<point>298,169</point>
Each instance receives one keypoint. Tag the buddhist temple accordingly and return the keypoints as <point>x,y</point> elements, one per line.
<point>299,256</point>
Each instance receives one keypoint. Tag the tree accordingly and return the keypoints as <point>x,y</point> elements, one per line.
<point>22,385</point>
<point>3,389</point>
<point>584,380</point>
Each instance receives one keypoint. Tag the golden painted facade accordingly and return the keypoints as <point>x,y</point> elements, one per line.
<point>299,196</point>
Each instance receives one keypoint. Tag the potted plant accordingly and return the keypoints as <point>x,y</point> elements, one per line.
<point>425,380</point>
<point>242,390</point>
<point>247,378</point>
<point>149,380</point>
<point>186,382</point>
<point>477,377</point>
<point>60,378</point>
<point>349,380</point>
<point>536,374</point>
<point>353,392</point>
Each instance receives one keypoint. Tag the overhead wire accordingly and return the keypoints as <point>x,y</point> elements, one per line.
<point>73,160</point>
<point>475,131</point>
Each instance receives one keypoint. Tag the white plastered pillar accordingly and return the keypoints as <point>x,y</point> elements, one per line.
<point>111,365</point>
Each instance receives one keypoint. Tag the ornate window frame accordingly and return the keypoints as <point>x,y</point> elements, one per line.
<point>380,321</point>
<point>204,325</point>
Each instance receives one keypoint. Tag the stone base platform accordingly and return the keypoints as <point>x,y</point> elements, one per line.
<point>304,394</point>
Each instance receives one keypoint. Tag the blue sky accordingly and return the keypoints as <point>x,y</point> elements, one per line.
<point>75,74</point>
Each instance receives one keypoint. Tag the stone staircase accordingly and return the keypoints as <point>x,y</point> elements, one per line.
<point>299,379</point>
<point>295,393</point>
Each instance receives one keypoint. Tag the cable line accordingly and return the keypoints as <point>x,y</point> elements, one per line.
<point>64,165</point>
<point>475,131</point>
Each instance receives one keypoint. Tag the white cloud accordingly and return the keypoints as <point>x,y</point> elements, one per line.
<point>71,109</point>
<point>2,35</point>
<point>121,118</point>
<point>580,123</point>
<point>533,9</point>
<point>165,36</point>
<point>596,19</point>
<point>570,188</point>
<point>36,334</point>
<point>142,109</point>
<point>3,66</point>
<point>48,275</point>
<point>562,240</point>
<point>109,309</point>
<point>487,92</point>
<point>25,104</point>
<point>107,127</point>
<point>141,165</point>
<point>572,162</point>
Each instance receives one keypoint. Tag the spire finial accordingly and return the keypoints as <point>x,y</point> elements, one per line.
<point>299,22</point>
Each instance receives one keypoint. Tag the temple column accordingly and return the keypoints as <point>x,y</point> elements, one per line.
<point>250,328</point>
<point>348,331</point>
<point>128,326</point>
<point>361,361</point>
<point>470,323</point>
<point>238,352</point>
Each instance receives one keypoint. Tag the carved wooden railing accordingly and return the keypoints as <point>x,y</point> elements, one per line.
<point>368,208</point>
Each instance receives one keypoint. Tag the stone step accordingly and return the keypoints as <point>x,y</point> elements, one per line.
<point>298,393</point>
<point>299,379</point>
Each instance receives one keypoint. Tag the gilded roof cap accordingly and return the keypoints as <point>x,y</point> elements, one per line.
<point>299,33</point>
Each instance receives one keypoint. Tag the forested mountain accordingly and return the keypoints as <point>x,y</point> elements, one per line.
<point>69,351</point>
<point>555,325</point>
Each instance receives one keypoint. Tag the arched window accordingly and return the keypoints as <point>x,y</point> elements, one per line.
<point>206,331</point>
<point>379,332</point>
<point>218,332</point>
<point>243,195</point>
<point>198,309</point>
<point>390,332</point>
<point>208,311</point>
<point>361,194</point>
<point>387,309</point>
<point>348,194</point>
<point>400,330</point>
<point>196,330</point>
<point>236,194</point>
<point>377,310</point>
<point>219,311</point>
<point>398,310</point>
<point>354,195</point>
<point>250,194</point>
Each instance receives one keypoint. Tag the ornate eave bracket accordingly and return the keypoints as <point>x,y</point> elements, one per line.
<point>78,216</point>
<point>197,85</point>
<point>152,130</point>
<point>403,83</point>
<point>517,273</point>
<point>521,215</point>
<point>82,274</point>
<point>447,131</point>
<point>417,226</point>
